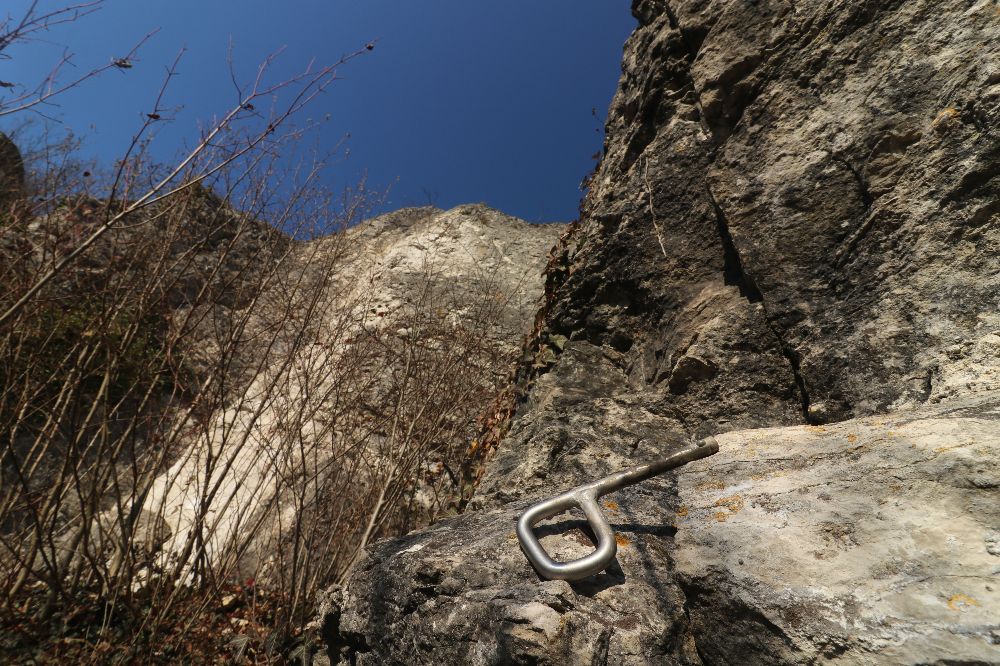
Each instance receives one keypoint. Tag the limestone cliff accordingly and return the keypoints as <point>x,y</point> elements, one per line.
<point>791,242</point>
<point>418,316</point>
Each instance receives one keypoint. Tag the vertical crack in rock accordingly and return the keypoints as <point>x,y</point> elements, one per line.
<point>671,16</point>
<point>735,275</point>
<point>732,268</point>
<point>792,357</point>
<point>867,216</point>
<point>692,49</point>
<point>863,189</point>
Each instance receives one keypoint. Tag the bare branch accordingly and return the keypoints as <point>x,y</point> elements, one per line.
<point>48,89</point>
<point>310,84</point>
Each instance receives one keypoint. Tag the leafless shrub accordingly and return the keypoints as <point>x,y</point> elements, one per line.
<point>198,392</point>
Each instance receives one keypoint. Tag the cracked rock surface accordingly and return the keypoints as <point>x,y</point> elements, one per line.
<point>791,243</point>
<point>867,541</point>
<point>870,541</point>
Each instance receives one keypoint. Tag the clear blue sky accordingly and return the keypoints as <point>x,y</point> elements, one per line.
<point>464,99</point>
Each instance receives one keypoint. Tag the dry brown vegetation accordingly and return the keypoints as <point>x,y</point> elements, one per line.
<point>200,424</point>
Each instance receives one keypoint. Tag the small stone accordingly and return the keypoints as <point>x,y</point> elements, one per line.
<point>993,543</point>
<point>231,602</point>
<point>539,616</point>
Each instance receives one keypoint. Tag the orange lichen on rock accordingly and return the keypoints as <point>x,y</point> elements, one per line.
<point>959,602</point>
<point>734,503</point>
<point>622,541</point>
<point>945,118</point>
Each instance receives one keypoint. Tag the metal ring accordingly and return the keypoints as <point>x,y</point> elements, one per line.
<point>586,497</point>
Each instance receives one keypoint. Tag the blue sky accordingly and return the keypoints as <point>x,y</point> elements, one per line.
<point>461,100</point>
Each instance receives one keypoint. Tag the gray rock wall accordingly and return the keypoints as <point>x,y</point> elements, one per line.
<point>795,223</point>
<point>11,174</point>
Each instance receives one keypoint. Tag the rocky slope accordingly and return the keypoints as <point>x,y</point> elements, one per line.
<point>439,298</point>
<point>791,239</point>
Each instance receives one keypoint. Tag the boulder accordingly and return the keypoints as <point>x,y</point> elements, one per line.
<point>873,540</point>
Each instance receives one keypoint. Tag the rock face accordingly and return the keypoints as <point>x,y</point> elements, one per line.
<point>413,293</point>
<point>870,541</point>
<point>874,540</point>
<point>11,174</point>
<point>795,224</point>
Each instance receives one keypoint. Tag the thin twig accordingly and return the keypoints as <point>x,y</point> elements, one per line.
<point>652,213</point>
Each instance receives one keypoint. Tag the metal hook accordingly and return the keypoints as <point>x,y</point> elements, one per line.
<point>586,497</point>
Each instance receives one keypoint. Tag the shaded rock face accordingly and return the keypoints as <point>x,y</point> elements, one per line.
<point>836,164</point>
<point>795,224</point>
<point>11,173</point>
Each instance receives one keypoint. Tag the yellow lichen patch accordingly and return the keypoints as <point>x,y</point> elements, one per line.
<point>734,503</point>
<point>721,516</point>
<point>710,485</point>
<point>611,505</point>
<point>683,511</point>
<point>512,536</point>
<point>815,428</point>
<point>622,541</point>
<point>851,437</point>
<point>959,602</point>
